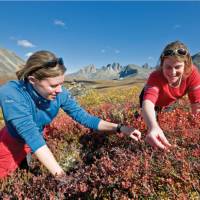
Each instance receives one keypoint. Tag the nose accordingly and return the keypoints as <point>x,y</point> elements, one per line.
<point>59,89</point>
<point>173,71</point>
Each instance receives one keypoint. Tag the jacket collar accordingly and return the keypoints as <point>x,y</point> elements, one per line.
<point>40,101</point>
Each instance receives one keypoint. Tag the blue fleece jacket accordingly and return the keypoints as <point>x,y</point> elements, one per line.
<point>26,112</point>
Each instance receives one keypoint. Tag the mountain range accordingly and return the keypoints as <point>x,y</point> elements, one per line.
<point>10,63</point>
<point>111,72</point>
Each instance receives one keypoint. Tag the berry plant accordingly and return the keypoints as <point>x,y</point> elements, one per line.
<point>106,166</point>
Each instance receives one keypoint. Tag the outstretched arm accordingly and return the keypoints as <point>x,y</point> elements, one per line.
<point>46,157</point>
<point>155,136</point>
<point>72,108</point>
<point>112,127</point>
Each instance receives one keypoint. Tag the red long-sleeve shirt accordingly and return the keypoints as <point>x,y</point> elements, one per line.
<point>159,92</point>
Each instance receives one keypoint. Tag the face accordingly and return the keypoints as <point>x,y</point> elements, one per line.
<point>173,70</point>
<point>48,88</point>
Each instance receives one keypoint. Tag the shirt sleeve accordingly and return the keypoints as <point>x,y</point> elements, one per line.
<point>74,110</point>
<point>18,115</point>
<point>194,86</point>
<point>151,89</point>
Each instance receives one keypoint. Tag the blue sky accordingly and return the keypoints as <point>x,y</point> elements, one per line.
<point>99,33</point>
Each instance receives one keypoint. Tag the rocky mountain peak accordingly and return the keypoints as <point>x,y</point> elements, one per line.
<point>116,67</point>
<point>110,71</point>
<point>10,63</point>
<point>88,69</point>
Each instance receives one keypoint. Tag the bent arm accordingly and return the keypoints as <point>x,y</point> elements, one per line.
<point>72,108</point>
<point>194,90</point>
<point>149,114</point>
<point>155,136</point>
<point>46,157</point>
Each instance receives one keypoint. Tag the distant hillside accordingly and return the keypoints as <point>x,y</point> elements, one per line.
<point>196,59</point>
<point>9,63</point>
<point>136,71</point>
<point>93,73</point>
<point>116,71</point>
<point>111,72</point>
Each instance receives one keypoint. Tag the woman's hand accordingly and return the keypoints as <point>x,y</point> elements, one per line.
<point>63,179</point>
<point>157,139</point>
<point>46,157</point>
<point>125,130</point>
<point>131,132</point>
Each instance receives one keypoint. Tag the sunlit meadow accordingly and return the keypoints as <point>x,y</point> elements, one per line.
<point>111,166</point>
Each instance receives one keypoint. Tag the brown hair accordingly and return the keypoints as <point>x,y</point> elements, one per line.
<point>181,58</point>
<point>34,66</point>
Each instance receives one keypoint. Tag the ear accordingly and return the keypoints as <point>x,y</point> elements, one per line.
<point>32,80</point>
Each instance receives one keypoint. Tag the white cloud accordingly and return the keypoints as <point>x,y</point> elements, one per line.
<point>25,43</point>
<point>109,49</point>
<point>176,26</point>
<point>28,54</point>
<point>117,51</point>
<point>59,23</point>
<point>103,50</point>
<point>150,58</point>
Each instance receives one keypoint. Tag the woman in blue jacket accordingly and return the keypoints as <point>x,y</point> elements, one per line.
<point>31,103</point>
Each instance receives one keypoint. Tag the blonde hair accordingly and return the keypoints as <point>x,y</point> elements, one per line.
<point>34,66</point>
<point>181,58</point>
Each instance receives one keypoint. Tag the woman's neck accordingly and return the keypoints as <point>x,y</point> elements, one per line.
<point>176,84</point>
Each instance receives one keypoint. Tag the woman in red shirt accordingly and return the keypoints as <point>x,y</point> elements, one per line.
<point>174,77</point>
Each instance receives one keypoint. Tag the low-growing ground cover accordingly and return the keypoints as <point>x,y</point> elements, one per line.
<point>102,166</point>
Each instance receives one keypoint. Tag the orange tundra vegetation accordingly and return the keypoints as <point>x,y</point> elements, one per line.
<point>99,166</point>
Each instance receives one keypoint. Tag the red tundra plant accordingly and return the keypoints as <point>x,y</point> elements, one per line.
<point>109,167</point>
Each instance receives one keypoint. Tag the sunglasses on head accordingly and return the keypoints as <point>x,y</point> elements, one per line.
<point>50,64</point>
<point>53,63</point>
<point>179,52</point>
